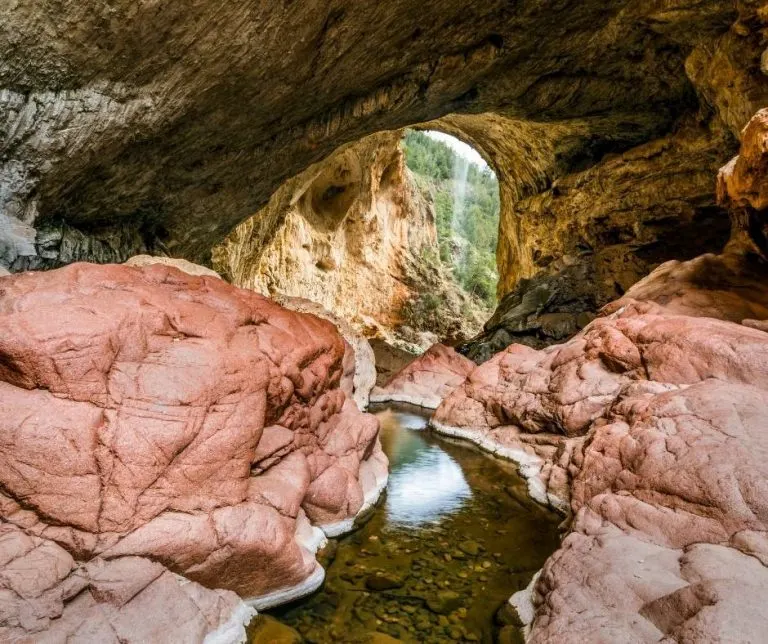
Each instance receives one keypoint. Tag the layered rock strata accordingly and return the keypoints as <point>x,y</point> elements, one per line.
<point>123,118</point>
<point>426,381</point>
<point>161,426</point>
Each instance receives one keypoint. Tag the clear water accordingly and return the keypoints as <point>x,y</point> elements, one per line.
<point>455,536</point>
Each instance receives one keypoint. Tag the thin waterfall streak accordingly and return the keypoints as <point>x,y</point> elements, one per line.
<point>460,174</point>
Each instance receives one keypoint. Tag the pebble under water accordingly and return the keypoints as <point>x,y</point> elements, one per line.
<point>454,537</point>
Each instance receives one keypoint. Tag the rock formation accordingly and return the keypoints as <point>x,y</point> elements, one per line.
<point>363,377</point>
<point>182,264</point>
<point>126,130</point>
<point>589,237</point>
<point>359,238</point>
<point>647,427</point>
<point>160,429</point>
<point>364,364</point>
<point>426,381</point>
<point>205,413</point>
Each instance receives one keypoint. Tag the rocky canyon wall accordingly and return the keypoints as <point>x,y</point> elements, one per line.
<point>572,248</point>
<point>588,210</point>
<point>359,238</point>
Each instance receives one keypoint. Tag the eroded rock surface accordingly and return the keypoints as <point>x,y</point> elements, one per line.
<point>647,427</point>
<point>117,116</point>
<point>48,596</point>
<point>152,415</point>
<point>361,362</point>
<point>427,380</point>
<point>359,238</point>
<point>741,187</point>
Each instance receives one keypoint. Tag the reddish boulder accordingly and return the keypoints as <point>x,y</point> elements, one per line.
<point>729,287</point>
<point>648,428</point>
<point>669,540</point>
<point>147,413</point>
<point>45,596</point>
<point>427,380</point>
<point>360,363</point>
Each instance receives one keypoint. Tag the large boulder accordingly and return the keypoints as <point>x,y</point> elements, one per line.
<point>427,380</point>
<point>647,429</point>
<point>361,361</point>
<point>146,414</point>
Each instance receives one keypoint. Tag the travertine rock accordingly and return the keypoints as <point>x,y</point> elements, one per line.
<point>741,187</point>
<point>149,413</point>
<point>182,123</point>
<point>427,380</point>
<point>584,241</point>
<point>359,238</point>
<point>182,264</point>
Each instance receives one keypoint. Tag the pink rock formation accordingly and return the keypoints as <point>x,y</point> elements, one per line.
<point>146,414</point>
<point>653,423</point>
<point>651,420</point>
<point>45,595</point>
<point>729,287</point>
<point>427,380</point>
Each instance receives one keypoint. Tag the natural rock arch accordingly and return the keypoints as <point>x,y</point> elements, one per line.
<point>166,133</point>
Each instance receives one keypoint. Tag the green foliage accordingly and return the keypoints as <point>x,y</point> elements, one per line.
<point>467,238</point>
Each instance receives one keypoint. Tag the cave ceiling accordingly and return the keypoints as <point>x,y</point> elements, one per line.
<point>181,119</point>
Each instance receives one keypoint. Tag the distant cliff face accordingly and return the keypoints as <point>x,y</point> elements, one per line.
<point>359,238</point>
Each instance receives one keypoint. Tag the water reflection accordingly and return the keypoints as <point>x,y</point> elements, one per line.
<point>425,483</point>
<point>454,538</point>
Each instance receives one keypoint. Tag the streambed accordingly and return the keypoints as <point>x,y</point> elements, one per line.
<point>455,536</point>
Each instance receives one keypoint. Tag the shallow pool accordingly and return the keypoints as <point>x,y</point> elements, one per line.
<point>454,537</point>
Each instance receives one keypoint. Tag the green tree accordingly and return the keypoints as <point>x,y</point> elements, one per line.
<point>467,239</point>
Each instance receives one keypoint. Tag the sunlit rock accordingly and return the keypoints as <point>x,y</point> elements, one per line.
<point>426,381</point>
<point>151,414</point>
<point>358,237</point>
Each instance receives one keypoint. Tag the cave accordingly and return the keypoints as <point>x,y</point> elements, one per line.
<point>232,318</point>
